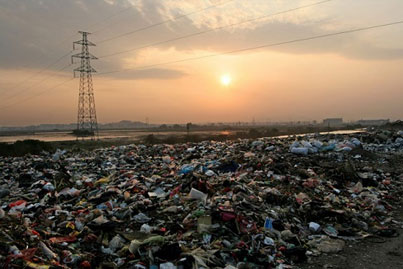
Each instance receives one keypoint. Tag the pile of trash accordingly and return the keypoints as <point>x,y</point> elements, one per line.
<point>304,147</point>
<point>233,204</point>
<point>385,141</point>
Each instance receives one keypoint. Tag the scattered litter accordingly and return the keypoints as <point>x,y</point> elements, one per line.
<point>265,203</point>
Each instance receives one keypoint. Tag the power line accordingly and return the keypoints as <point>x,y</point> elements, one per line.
<point>62,42</point>
<point>46,67</point>
<point>259,47</point>
<point>109,17</point>
<point>40,71</point>
<point>49,65</point>
<point>215,28</point>
<point>36,95</point>
<point>36,84</point>
<point>163,22</point>
<point>98,22</point>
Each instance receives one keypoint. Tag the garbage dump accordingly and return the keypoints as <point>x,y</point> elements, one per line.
<point>266,203</point>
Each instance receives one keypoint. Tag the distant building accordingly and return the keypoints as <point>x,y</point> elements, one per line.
<point>373,122</point>
<point>333,122</point>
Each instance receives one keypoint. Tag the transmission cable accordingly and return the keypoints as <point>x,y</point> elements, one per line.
<point>163,22</point>
<point>214,29</point>
<point>107,18</point>
<point>41,70</point>
<point>60,43</point>
<point>35,84</point>
<point>258,47</point>
<point>36,95</point>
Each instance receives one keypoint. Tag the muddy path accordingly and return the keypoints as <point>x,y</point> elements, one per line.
<point>373,252</point>
<point>369,253</point>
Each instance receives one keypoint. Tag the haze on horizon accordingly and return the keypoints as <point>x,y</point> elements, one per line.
<point>354,76</point>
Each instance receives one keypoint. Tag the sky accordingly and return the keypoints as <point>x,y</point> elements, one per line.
<point>140,76</point>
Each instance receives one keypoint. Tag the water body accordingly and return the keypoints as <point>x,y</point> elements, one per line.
<point>128,134</point>
<point>341,132</point>
<point>103,134</point>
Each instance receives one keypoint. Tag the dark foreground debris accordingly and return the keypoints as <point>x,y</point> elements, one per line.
<point>267,203</point>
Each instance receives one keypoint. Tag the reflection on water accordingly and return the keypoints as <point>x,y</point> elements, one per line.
<point>114,134</point>
<point>130,135</point>
<point>345,132</point>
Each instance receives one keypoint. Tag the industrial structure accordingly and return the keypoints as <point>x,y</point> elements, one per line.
<point>333,122</point>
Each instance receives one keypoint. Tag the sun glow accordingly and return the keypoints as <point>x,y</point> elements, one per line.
<point>226,80</point>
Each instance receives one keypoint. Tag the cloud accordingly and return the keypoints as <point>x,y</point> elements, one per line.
<point>152,73</point>
<point>299,24</point>
<point>35,32</point>
<point>39,31</point>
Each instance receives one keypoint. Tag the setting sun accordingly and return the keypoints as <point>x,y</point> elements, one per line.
<point>226,80</point>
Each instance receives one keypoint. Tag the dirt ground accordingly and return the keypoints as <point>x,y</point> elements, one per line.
<point>370,253</point>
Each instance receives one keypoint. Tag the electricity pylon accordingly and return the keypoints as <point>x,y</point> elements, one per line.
<point>86,117</point>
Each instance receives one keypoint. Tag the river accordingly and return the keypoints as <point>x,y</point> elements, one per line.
<point>103,134</point>
<point>126,134</point>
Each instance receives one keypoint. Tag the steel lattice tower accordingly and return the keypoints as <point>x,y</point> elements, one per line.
<point>86,118</point>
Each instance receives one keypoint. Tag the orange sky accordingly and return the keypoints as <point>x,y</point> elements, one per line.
<point>354,76</point>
